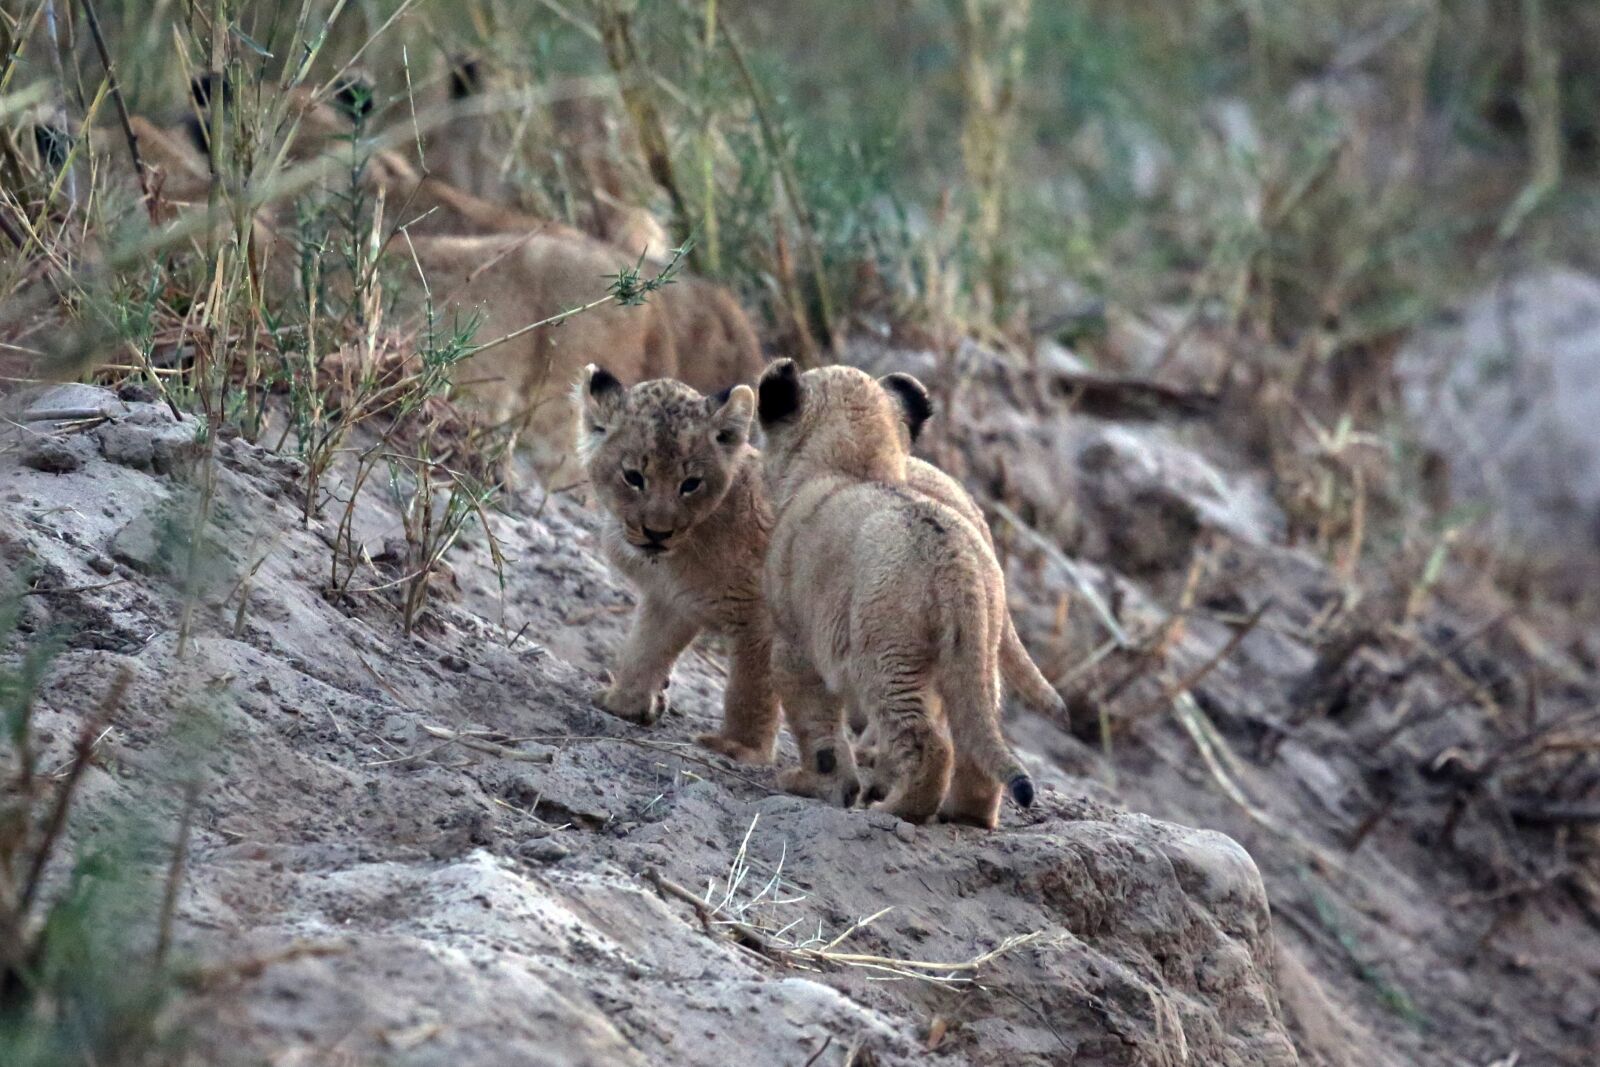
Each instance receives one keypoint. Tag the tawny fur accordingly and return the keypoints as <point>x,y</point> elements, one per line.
<point>510,269</point>
<point>693,556</point>
<point>725,567</point>
<point>508,282</point>
<point>883,601</point>
<point>690,329</point>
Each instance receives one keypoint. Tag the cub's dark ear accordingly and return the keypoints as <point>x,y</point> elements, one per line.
<point>353,95</point>
<point>600,383</point>
<point>466,77</point>
<point>778,392</point>
<point>912,398</point>
<point>203,86</point>
<point>54,144</point>
<point>600,398</point>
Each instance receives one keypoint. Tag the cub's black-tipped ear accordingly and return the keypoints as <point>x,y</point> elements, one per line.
<point>466,77</point>
<point>599,382</point>
<point>778,392</point>
<point>54,144</point>
<point>203,86</point>
<point>600,397</point>
<point>353,95</point>
<point>912,398</point>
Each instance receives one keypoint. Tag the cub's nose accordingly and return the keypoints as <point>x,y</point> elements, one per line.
<point>655,537</point>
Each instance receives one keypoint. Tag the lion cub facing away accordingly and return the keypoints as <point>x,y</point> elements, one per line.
<point>882,599</point>
<point>641,447</point>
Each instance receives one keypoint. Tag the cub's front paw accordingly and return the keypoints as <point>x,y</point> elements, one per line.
<point>799,781</point>
<point>735,750</point>
<point>644,708</point>
<point>838,788</point>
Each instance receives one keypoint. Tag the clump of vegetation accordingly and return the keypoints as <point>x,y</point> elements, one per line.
<point>85,910</point>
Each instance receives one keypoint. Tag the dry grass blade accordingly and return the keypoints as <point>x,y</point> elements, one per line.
<point>726,911</point>
<point>1186,684</point>
<point>209,977</point>
<point>488,747</point>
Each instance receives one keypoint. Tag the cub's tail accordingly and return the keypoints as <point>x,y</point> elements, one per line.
<point>1024,676</point>
<point>972,700</point>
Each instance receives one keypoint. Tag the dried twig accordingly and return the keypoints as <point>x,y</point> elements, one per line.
<point>208,977</point>
<point>83,752</point>
<point>489,747</point>
<point>1186,685</point>
<point>180,857</point>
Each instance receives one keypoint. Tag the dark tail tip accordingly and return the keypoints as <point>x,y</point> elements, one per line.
<point>1021,789</point>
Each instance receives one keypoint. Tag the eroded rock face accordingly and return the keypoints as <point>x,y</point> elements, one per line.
<point>63,426</point>
<point>1507,392</point>
<point>457,906</point>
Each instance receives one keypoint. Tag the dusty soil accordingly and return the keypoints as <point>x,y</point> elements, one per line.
<point>434,849</point>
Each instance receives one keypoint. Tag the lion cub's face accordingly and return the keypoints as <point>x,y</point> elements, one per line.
<point>840,421</point>
<point>660,455</point>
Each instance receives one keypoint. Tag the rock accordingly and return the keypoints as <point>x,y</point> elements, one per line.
<point>150,439</point>
<point>544,850</point>
<point>55,454</point>
<point>400,729</point>
<point>71,400</point>
<point>138,393</point>
<point>1506,391</point>
<point>156,541</point>
<point>905,831</point>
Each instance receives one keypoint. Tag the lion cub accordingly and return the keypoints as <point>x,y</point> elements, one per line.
<point>882,600</point>
<point>621,429</point>
<point>687,525</point>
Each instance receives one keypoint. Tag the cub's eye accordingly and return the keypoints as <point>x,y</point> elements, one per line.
<point>633,478</point>
<point>689,485</point>
<point>725,437</point>
<point>598,431</point>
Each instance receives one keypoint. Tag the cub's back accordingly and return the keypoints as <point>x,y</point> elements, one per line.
<point>844,548</point>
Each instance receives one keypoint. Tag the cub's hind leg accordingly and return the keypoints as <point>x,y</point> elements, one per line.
<point>986,768</point>
<point>912,766</point>
<point>973,798</point>
<point>827,765</point>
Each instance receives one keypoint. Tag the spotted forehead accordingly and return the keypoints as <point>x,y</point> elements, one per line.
<point>669,418</point>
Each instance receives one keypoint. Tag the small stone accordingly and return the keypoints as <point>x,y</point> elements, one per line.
<point>400,729</point>
<point>882,820</point>
<point>905,831</point>
<point>452,662</point>
<point>544,850</point>
<point>53,455</point>
<point>102,565</point>
<point>137,393</point>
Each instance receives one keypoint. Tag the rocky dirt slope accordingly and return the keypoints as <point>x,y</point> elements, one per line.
<point>433,848</point>
<point>406,897</point>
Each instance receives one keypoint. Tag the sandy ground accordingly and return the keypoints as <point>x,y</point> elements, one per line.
<point>434,849</point>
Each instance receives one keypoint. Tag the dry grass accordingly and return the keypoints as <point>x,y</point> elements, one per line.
<point>747,909</point>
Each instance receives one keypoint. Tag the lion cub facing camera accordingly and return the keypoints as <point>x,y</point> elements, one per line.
<point>687,525</point>
<point>883,601</point>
